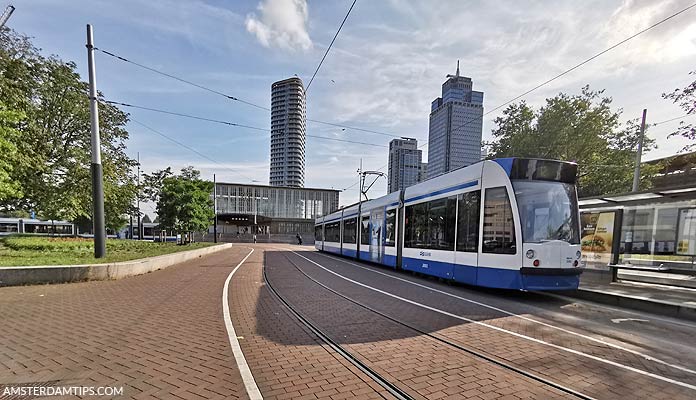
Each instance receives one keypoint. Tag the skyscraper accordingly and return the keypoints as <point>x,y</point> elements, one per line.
<point>288,130</point>
<point>456,123</point>
<point>404,163</point>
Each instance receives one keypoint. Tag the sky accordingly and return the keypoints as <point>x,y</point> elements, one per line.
<point>386,66</point>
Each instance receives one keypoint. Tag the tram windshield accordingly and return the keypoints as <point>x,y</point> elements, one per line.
<point>548,211</point>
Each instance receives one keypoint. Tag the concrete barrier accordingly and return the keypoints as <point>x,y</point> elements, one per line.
<point>32,275</point>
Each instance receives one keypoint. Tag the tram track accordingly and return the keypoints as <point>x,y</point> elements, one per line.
<point>437,338</point>
<point>376,377</point>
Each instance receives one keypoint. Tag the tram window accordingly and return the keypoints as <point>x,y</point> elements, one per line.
<point>9,227</point>
<point>431,225</point>
<point>468,221</point>
<point>390,240</point>
<point>332,232</point>
<point>317,233</point>
<point>365,230</point>
<point>349,230</point>
<point>498,223</point>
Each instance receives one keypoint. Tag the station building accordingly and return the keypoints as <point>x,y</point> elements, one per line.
<point>244,209</point>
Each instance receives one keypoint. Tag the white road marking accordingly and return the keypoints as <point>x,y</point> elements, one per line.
<point>620,320</point>
<point>535,340</point>
<point>620,310</point>
<point>249,382</point>
<point>616,346</point>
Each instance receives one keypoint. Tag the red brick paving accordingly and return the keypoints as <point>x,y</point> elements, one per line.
<point>159,335</point>
<point>286,359</point>
<point>421,366</point>
<point>580,373</point>
<point>162,335</point>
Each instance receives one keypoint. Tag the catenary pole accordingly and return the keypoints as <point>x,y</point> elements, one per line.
<point>140,219</point>
<point>97,179</point>
<point>636,171</point>
<point>215,239</point>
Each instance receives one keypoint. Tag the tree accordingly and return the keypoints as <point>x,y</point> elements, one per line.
<point>146,219</point>
<point>152,184</point>
<point>9,156</point>
<point>686,98</point>
<point>54,139</point>
<point>581,128</point>
<point>185,203</point>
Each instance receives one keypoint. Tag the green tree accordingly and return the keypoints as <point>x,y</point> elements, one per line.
<point>9,156</point>
<point>686,99</point>
<point>152,184</point>
<point>185,203</point>
<point>581,128</point>
<point>54,138</point>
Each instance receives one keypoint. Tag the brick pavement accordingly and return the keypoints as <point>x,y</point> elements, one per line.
<point>592,377</point>
<point>286,359</point>
<point>159,335</point>
<point>423,367</point>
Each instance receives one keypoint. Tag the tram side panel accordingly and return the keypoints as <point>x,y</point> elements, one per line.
<point>332,236</point>
<point>499,259</point>
<point>349,226</point>
<point>430,216</point>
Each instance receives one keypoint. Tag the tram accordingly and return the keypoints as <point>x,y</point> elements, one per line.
<point>9,226</point>
<point>510,223</point>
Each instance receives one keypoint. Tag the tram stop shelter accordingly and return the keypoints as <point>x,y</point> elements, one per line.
<point>652,230</point>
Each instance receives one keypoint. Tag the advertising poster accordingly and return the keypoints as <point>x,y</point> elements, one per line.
<point>597,236</point>
<point>686,236</point>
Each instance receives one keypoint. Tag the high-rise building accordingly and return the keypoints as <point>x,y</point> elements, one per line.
<point>288,130</point>
<point>423,172</point>
<point>404,163</point>
<point>456,124</point>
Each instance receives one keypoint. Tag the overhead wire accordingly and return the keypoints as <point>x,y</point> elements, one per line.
<point>330,45</point>
<point>562,74</point>
<point>234,98</point>
<point>190,148</point>
<point>672,119</point>
<point>229,123</point>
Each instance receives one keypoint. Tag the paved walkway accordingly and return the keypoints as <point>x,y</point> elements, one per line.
<point>162,335</point>
<point>159,335</point>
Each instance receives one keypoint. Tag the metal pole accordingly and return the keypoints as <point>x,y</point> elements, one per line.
<point>636,172</point>
<point>97,179</point>
<point>215,239</point>
<point>140,224</point>
<point>6,15</point>
<point>359,225</point>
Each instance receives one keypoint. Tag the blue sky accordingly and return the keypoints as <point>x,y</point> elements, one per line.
<point>382,73</point>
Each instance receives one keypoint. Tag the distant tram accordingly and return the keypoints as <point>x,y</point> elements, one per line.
<point>509,223</point>
<point>9,226</point>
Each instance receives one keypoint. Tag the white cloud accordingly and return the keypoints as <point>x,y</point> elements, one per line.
<point>283,23</point>
<point>671,41</point>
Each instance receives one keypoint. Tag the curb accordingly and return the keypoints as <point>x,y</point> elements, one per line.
<point>34,275</point>
<point>661,307</point>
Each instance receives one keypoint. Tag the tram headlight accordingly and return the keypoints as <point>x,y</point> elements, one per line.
<point>577,254</point>
<point>530,254</point>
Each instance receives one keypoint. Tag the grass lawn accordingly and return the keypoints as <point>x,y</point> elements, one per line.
<point>34,250</point>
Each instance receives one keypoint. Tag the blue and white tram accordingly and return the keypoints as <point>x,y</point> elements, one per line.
<point>508,223</point>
